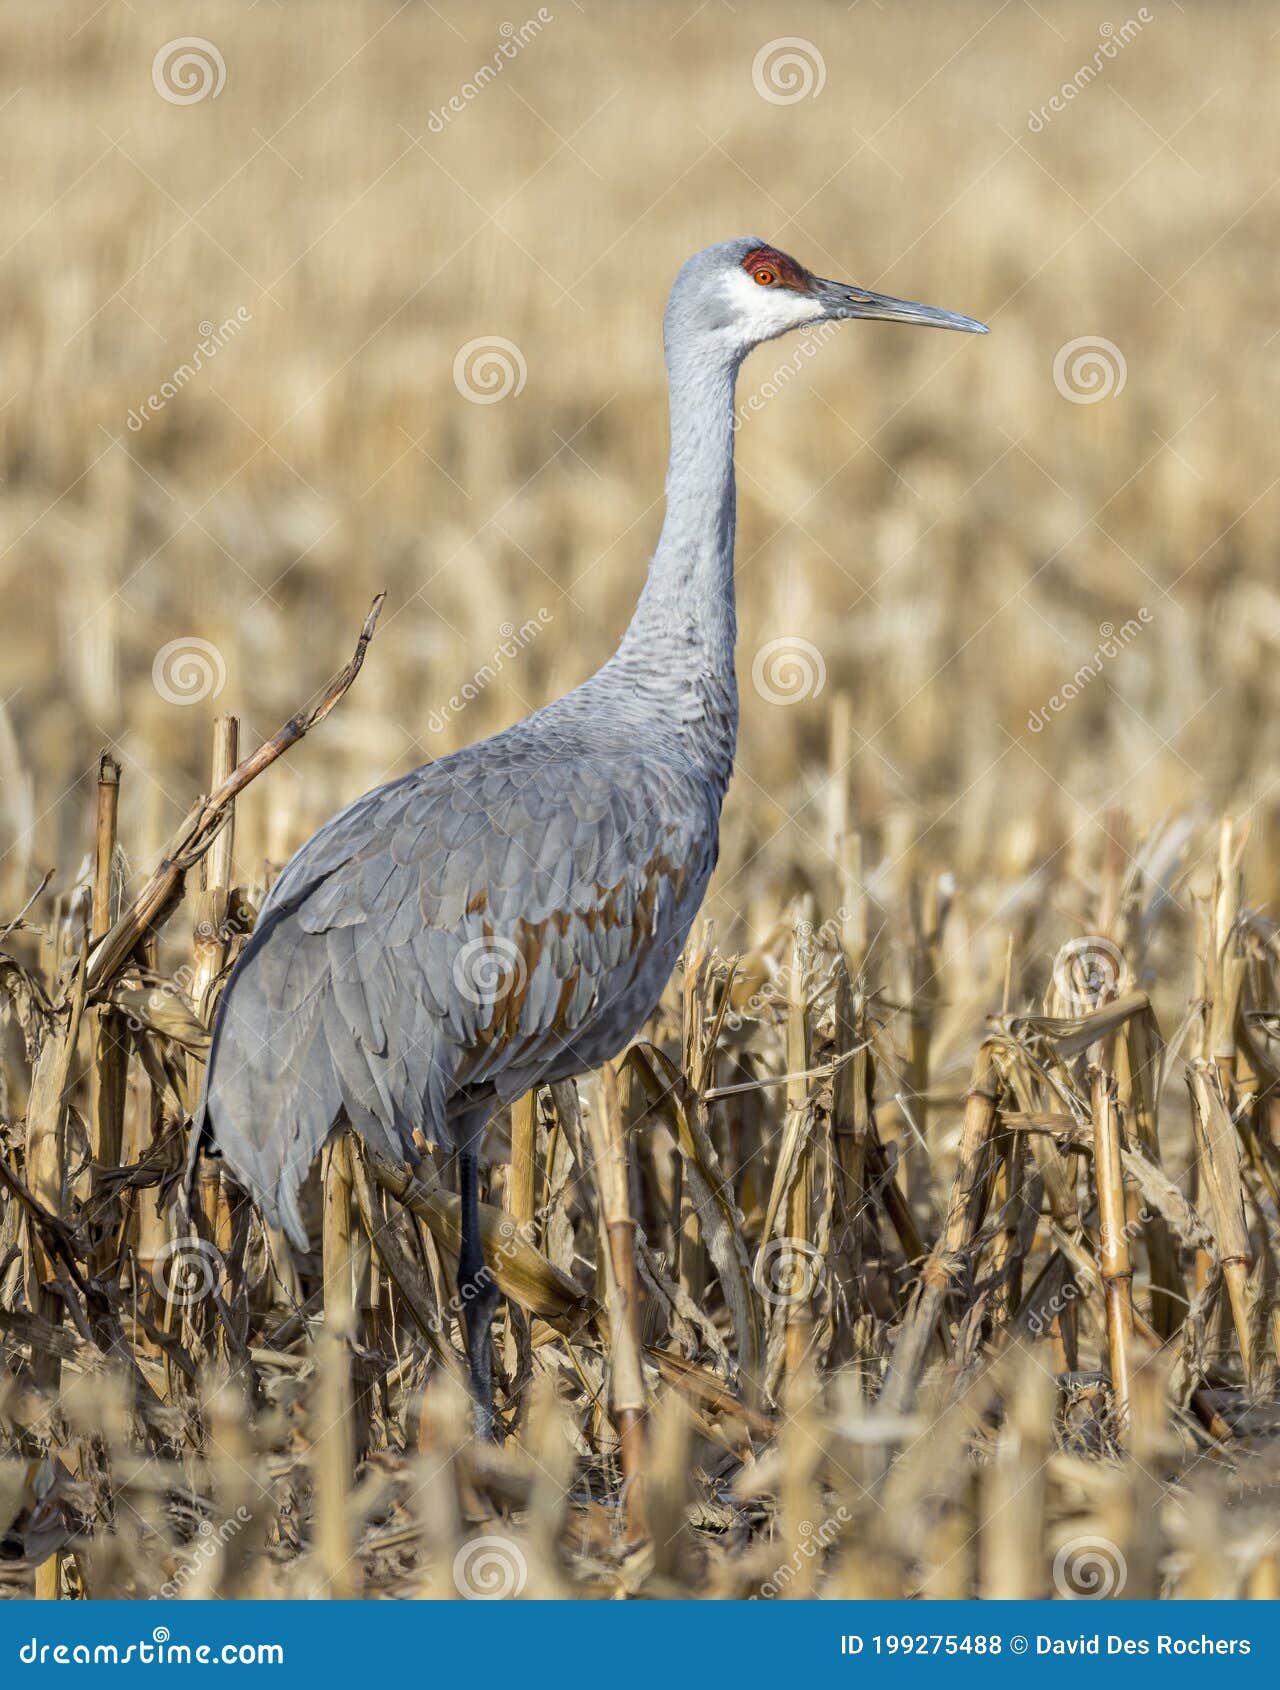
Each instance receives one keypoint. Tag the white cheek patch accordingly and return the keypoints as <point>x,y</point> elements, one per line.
<point>764,312</point>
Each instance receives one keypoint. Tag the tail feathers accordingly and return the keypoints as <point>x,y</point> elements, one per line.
<point>271,1098</point>
<point>288,1217</point>
<point>272,1172</point>
<point>311,1026</point>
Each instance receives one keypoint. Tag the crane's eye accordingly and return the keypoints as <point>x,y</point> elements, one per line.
<point>766,278</point>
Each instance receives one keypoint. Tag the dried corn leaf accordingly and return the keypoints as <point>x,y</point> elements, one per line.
<point>718,1216</point>
<point>521,1270</point>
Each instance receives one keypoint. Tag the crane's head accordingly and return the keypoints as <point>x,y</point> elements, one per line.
<point>742,292</point>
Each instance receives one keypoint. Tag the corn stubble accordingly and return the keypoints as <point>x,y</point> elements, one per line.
<point>794,1305</point>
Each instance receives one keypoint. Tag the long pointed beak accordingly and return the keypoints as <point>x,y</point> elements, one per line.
<point>842,299</point>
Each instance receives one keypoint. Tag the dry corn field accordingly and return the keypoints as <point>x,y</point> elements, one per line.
<point>927,1240</point>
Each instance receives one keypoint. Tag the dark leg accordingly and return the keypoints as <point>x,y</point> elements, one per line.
<point>478,1292</point>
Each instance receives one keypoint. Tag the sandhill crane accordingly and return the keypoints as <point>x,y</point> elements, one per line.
<point>509,915</point>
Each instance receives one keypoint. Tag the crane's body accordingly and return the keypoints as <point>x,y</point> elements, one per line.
<point>466,932</point>
<point>509,915</point>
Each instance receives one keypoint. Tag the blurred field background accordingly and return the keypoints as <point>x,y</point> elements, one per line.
<point>934,536</point>
<point>930,513</point>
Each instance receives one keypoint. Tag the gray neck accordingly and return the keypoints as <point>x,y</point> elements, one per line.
<point>687,607</point>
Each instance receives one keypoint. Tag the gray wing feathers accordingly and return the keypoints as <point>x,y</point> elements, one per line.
<point>270,1037</point>
<point>455,927</point>
<point>311,1025</point>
